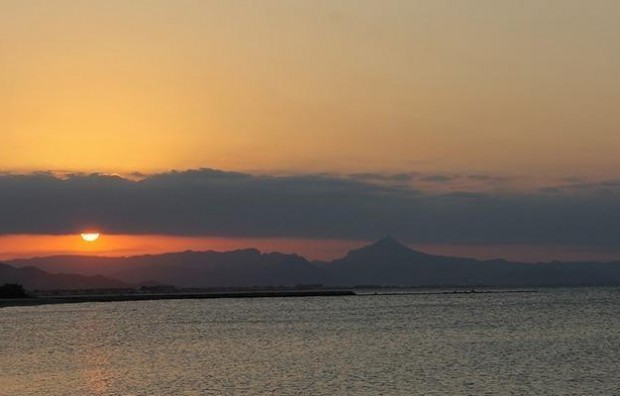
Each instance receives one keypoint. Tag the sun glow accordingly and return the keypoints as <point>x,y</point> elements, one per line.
<point>90,236</point>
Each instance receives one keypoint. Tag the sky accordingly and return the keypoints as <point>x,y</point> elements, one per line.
<point>486,128</point>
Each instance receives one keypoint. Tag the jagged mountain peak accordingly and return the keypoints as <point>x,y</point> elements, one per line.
<point>388,242</point>
<point>387,246</point>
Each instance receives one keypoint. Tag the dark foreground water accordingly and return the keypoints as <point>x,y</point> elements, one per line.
<point>555,341</point>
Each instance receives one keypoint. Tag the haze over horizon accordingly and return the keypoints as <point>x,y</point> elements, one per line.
<point>479,128</point>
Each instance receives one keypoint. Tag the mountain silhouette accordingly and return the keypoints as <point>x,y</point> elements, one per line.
<point>33,278</point>
<point>385,248</point>
<point>246,267</point>
<point>386,262</point>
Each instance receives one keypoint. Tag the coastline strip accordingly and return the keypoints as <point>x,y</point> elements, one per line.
<point>170,296</point>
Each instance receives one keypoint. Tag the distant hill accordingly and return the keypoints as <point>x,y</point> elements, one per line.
<point>386,262</point>
<point>33,278</point>
<point>247,267</point>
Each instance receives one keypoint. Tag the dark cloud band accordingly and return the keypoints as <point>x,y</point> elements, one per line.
<point>212,202</point>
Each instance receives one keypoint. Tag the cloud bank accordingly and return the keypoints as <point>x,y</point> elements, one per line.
<point>217,203</point>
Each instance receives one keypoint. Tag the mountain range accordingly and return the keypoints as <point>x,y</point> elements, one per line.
<point>33,278</point>
<point>386,262</point>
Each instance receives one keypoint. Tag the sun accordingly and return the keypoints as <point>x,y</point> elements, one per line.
<point>90,236</point>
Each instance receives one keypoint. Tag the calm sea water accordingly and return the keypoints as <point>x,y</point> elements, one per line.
<point>555,342</point>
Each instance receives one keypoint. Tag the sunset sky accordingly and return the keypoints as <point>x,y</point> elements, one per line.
<point>479,127</point>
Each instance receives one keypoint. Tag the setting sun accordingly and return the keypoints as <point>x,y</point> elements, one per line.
<point>90,236</point>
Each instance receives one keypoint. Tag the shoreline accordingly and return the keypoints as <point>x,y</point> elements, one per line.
<point>35,301</point>
<point>75,299</point>
<point>424,293</point>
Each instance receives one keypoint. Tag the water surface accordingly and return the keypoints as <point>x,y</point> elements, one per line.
<point>554,341</point>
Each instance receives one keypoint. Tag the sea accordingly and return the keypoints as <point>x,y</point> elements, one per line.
<point>557,341</point>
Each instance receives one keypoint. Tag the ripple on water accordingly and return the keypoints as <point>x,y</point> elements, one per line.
<point>556,341</point>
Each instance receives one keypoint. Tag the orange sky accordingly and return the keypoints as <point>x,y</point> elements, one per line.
<point>24,246</point>
<point>14,246</point>
<point>432,85</point>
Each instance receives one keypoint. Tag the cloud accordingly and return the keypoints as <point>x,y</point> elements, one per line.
<point>491,179</point>
<point>384,177</point>
<point>219,203</point>
<point>436,180</point>
<point>439,178</point>
<point>579,186</point>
